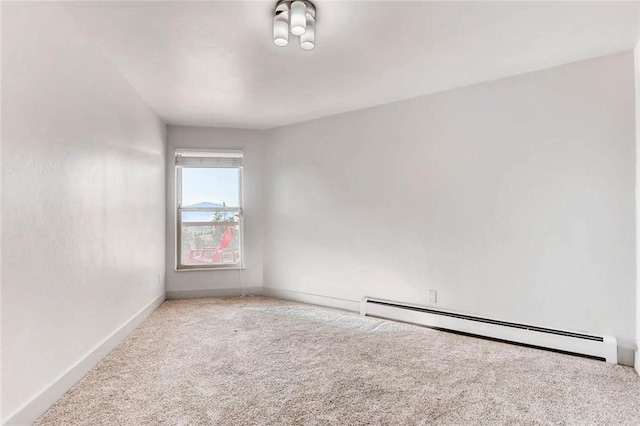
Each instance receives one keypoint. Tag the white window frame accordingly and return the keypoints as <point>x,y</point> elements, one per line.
<point>208,158</point>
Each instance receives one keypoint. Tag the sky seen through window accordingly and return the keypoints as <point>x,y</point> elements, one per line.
<point>213,185</point>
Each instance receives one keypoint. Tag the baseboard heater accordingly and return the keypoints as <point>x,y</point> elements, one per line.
<point>602,347</point>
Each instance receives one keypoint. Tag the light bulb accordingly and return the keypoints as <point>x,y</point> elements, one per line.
<point>281,29</point>
<point>308,39</point>
<point>298,17</point>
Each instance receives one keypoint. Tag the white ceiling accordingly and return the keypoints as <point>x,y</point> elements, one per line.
<point>214,63</point>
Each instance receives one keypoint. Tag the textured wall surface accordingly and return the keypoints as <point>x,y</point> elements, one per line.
<point>83,171</point>
<point>514,199</point>
<point>187,283</point>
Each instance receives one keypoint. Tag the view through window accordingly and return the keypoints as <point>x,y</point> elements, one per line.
<point>209,209</point>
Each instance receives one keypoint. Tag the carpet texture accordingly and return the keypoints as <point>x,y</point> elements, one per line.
<point>263,361</point>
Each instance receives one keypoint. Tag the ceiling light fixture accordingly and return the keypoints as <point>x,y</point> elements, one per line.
<point>297,17</point>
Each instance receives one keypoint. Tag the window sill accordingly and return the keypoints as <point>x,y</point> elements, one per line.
<point>222,268</point>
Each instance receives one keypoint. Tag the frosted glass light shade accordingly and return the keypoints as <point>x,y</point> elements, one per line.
<point>308,39</point>
<point>281,29</point>
<point>298,18</point>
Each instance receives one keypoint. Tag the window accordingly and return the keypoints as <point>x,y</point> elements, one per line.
<point>209,209</point>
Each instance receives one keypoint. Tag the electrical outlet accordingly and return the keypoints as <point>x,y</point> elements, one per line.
<point>433,297</point>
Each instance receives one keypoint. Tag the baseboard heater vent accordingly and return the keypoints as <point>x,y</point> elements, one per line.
<point>603,347</point>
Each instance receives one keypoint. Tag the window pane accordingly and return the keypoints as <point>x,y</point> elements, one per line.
<point>210,187</point>
<point>207,243</point>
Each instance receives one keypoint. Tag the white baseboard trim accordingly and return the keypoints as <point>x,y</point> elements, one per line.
<point>213,292</point>
<point>313,299</point>
<point>34,408</point>
<point>637,362</point>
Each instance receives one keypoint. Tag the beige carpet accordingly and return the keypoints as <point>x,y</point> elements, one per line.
<point>262,361</point>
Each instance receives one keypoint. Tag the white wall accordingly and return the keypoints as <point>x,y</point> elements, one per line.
<point>514,199</point>
<point>637,92</point>
<point>82,202</point>
<point>219,282</point>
